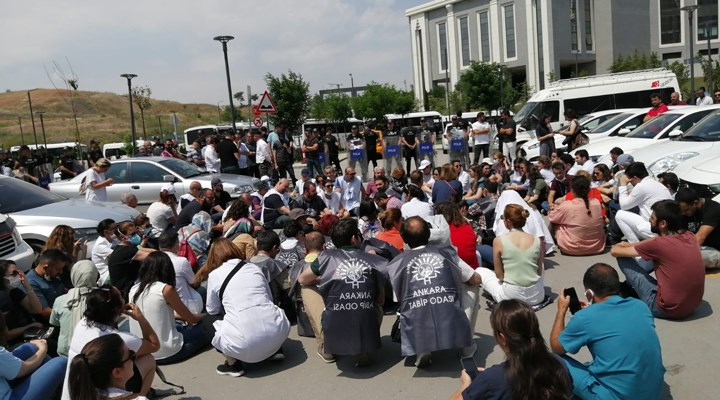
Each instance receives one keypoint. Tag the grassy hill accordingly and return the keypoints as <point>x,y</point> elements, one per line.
<point>101,116</point>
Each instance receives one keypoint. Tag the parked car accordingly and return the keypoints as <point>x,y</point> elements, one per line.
<point>702,174</point>
<point>144,176</point>
<point>702,138</point>
<point>12,246</point>
<point>37,212</point>
<point>658,129</point>
<point>596,125</point>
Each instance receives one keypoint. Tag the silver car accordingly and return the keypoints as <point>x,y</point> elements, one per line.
<point>37,212</point>
<point>144,177</point>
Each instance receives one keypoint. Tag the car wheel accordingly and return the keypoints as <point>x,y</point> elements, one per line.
<point>36,245</point>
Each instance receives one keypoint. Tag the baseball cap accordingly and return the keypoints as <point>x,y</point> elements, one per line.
<point>424,164</point>
<point>305,172</point>
<point>215,181</point>
<point>625,160</point>
<point>168,187</point>
<point>422,119</point>
<point>297,213</point>
<point>265,178</point>
<point>261,185</point>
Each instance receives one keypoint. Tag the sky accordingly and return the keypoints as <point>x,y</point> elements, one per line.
<point>169,44</point>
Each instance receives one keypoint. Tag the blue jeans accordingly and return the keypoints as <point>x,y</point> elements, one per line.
<point>44,381</point>
<point>637,274</point>
<point>585,385</point>
<point>194,339</point>
<point>486,253</point>
<point>545,206</point>
<point>314,165</point>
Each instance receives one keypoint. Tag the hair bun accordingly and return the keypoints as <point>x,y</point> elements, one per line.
<point>525,213</point>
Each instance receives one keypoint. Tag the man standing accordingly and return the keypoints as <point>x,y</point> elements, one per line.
<point>409,145</point>
<point>357,153</point>
<point>263,155</point>
<point>426,146</point>
<point>331,147</point>
<point>457,138</point>
<point>351,189</point>
<point>194,155</point>
<point>371,138</point>
<point>28,162</point>
<point>352,284</point>
<point>95,153</point>
<point>428,282</point>
<point>675,100</point>
<point>507,135</point>
<point>391,147</point>
<point>228,153</point>
<point>481,134</point>
<point>620,335</point>
<point>674,256</point>
<point>701,99</point>
<point>657,107</point>
<point>275,208</point>
<point>702,217</point>
<point>67,164</point>
<point>251,147</point>
<point>311,148</point>
<point>284,156</point>
<point>646,191</point>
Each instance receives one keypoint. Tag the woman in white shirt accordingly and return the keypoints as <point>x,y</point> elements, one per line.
<point>103,248</point>
<point>156,296</point>
<point>95,182</point>
<point>102,370</point>
<point>212,161</point>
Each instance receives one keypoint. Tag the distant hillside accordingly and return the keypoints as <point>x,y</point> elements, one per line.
<point>101,116</point>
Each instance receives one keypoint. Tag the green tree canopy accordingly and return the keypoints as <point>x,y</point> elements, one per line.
<point>636,61</point>
<point>480,87</point>
<point>291,95</point>
<point>380,99</point>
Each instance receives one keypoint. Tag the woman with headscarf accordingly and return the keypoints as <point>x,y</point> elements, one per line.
<point>535,225</point>
<point>197,235</point>
<point>69,308</point>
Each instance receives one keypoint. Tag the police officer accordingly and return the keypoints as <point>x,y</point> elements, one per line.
<point>357,151</point>
<point>409,143</point>
<point>426,138</point>
<point>94,153</point>
<point>6,163</point>
<point>67,164</point>
<point>457,138</point>
<point>391,147</point>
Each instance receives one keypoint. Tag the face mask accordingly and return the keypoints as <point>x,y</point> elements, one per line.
<point>135,239</point>
<point>147,230</point>
<point>13,281</point>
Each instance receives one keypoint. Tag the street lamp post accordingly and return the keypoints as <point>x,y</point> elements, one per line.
<point>224,40</point>
<point>32,118</point>
<point>129,78</point>
<point>42,126</point>
<point>22,135</point>
<point>160,125</point>
<point>352,86</point>
<point>691,10</point>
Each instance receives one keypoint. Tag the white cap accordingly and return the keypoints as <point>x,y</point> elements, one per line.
<point>424,164</point>
<point>487,160</point>
<point>265,178</point>
<point>168,187</point>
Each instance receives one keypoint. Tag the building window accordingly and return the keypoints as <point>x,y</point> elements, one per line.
<point>707,20</point>
<point>464,40</point>
<point>669,22</point>
<point>484,24</point>
<point>573,25</point>
<point>588,25</point>
<point>510,51</point>
<point>442,45</point>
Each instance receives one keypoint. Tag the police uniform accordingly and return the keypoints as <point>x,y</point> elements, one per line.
<point>391,150</point>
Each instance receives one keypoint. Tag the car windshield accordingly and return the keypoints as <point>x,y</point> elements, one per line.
<point>707,130</point>
<point>651,128</point>
<point>610,123</point>
<point>19,196</point>
<point>525,111</point>
<point>182,168</point>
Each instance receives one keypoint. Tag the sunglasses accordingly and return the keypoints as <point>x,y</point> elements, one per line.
<point>131,356</point>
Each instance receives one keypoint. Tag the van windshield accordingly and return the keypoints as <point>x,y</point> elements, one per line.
<point>525,111</point>
<point>532,112</point>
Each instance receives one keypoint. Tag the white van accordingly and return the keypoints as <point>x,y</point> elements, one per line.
<point>593,93</point>
<point>114,151</point>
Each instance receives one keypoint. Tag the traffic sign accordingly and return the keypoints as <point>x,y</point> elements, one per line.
<point>266,104</point>
<point>258,122</point>
<point>256,110</point>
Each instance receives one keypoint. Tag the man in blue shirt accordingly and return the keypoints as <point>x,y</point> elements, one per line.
<point>620,335</point>
<point>45,279</point>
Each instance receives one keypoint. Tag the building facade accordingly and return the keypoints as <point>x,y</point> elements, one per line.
<point>538,40</point>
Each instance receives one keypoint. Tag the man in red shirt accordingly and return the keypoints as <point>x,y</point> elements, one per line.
<point>674,255</point>
<point>658,107</point>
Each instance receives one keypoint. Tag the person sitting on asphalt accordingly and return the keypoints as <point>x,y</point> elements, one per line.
<point>352,284</point>
<point>447,187</point>
<point>292,249</point>
<point>125,260</point>
<point>197,235</point>
<point>429,283</point>
<point>414,205</point>
<point>620,335</point>
<point>670,181</point>
<point>582,163</point>
<point>530,371</point>
<point>275,207</point>
<point>249,327</point>
<point>103,248</point>
<point>462,234</point>
<point>18,303</point>
<point>518,260</point>
<point>384,201</point>
<point>579,225</point>
<point>68,309</point>
<point>310,201</point>
<point>129,200</point>
<point>559,187</point>
<point>162,213</point>
<point>190,293</point>
<point>222,198</point>
<point>391,220</point>
<point>646,191</point>
<point>203,202</point>
<point>702,217</point>
<point>45,280</point>
<point>371,188</point>
<point>674,255</point>
<point>192,194</point>
<point>351,191</point>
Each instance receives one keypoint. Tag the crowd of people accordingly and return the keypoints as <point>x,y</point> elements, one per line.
<point>334,252</point>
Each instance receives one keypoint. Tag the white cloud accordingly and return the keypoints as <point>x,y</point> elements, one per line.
<point>169,43</point>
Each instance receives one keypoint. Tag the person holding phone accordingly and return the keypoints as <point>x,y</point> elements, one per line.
<point>530,371</point>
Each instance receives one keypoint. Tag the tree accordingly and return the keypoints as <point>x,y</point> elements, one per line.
<point>141,98</point>
<point>70,81</point>
<point>483,84</point>
<point>227,116</point>
<point>318,107</point>
<point>339,108</point>
<point>291,95</point>
<point>636,61</point>
<point>381,99</point>
<point>682,72</point>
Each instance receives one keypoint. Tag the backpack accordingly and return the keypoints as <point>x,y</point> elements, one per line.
<point>185,250</point>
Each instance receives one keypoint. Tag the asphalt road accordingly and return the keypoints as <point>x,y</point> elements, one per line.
<point>690,351</point>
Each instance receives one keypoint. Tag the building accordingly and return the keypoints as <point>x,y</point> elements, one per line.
<point>537,40</point>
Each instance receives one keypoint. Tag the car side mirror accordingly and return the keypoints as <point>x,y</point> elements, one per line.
<point>623,132</point>
<point>169,178</point>
<point>675,133</point>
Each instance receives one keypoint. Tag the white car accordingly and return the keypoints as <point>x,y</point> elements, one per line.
<point>702,174</point>
<point>12,246</point>
<point>671,123</point>
<point>702,138</point>
<point>596,125</point>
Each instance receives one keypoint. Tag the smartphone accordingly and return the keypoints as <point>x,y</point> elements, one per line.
<point>574,301</point>
<point>468,364</point>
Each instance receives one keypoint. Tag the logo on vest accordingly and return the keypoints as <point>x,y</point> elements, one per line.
<point>288,257</point>
<point>425,267</point>
<point>353,271</point>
